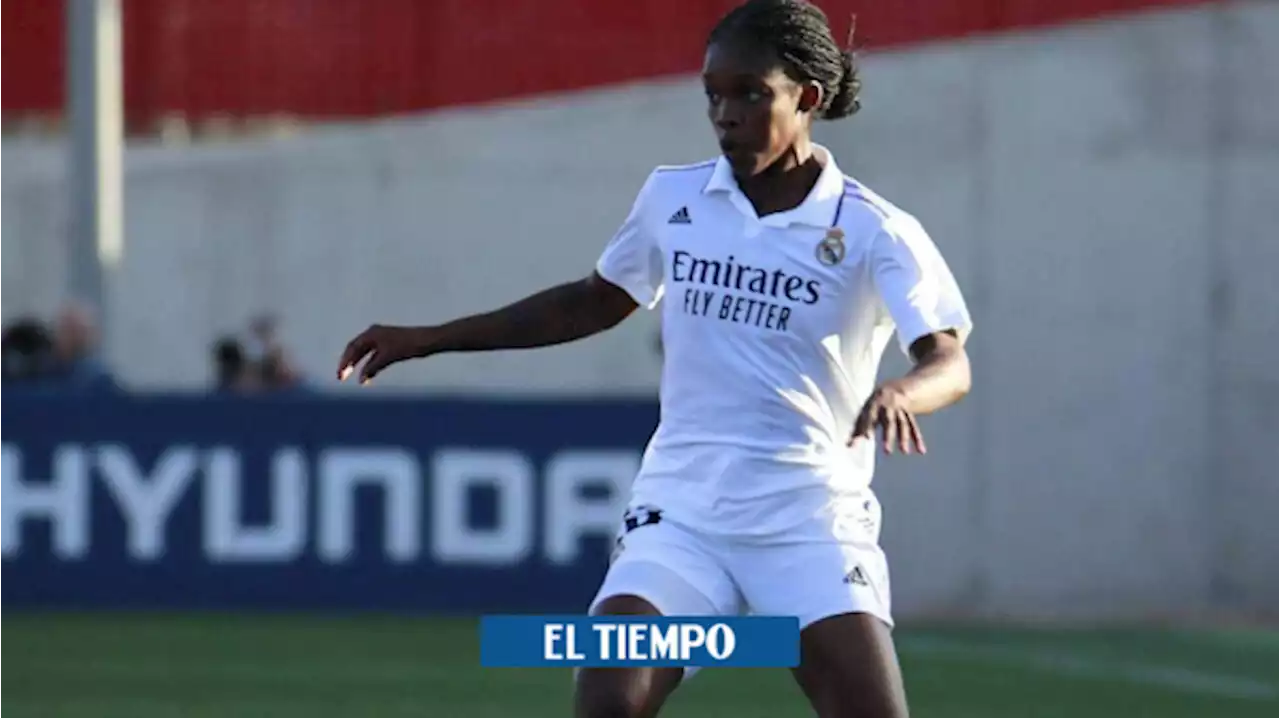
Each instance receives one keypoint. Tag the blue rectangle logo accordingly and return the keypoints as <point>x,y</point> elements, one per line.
<point>616,641</point>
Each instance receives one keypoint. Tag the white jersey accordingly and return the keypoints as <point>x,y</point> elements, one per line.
<point>773,328</point>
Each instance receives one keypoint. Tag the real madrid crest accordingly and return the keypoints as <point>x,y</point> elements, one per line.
<point>831,249</point>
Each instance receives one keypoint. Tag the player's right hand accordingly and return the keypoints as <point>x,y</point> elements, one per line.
<point>379,347</point>
<point>888,410</point>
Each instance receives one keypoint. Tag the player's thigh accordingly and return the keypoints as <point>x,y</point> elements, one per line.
<point>658,569</point>
<point>623,692</point>
<point>848,667</point>
<point>840,593</point>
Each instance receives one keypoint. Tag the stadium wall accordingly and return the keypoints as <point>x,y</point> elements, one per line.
<point>1105,193</point>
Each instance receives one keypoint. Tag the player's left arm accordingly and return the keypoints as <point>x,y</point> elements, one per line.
<point>940,376</point>
<point>924,301</point>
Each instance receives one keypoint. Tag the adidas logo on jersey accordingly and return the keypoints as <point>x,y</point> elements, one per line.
<point>680,217</point>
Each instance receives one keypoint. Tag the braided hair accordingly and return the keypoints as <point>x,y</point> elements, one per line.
<point>799,34</point>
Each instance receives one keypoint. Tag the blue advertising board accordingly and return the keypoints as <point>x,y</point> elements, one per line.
<point>312,503</point>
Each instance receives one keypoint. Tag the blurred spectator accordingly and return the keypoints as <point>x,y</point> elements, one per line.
<point>27,351</point>
<point>233,372</point>
<point>262,336</point>
<point>278,373</point>
<point>75,349</point>
<point>257,364</point>
<point>268,353</point>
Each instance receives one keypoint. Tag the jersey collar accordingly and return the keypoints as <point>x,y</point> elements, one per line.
<point>817,210</point>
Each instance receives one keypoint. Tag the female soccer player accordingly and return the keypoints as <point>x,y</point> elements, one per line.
<point>784,281</point>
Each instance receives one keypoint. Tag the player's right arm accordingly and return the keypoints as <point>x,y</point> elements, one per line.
<point>628,274</point>
<point>557,315</point>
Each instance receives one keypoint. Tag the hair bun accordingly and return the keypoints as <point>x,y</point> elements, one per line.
<point>845,101</point>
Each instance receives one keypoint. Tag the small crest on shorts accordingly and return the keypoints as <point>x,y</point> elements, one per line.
<point>831,249</point>
<point>638,516</point>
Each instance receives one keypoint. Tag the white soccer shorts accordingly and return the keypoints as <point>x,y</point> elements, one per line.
<point>812,575</point>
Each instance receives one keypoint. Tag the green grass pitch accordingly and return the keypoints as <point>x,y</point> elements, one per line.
<point>206,666</point>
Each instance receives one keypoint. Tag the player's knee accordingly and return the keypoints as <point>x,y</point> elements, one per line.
<point>848,704</point>
<point>612,705</point>
<point>618,693</point>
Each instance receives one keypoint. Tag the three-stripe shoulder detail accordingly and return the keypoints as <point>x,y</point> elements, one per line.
<point>685,168</point>
<point>854,192</point>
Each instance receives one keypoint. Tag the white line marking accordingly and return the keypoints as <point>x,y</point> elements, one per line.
<point>1176,678</point>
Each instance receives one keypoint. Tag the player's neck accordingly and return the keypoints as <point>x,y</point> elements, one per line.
<point>786,183</point>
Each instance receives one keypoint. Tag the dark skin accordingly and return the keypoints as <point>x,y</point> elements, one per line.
<point>564,313</point>
<point>762,118</point>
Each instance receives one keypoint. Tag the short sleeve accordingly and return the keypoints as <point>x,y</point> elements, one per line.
<point>916,285</point>
<point>633,260</point>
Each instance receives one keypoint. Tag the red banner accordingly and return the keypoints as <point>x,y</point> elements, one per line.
<point>348,58</point>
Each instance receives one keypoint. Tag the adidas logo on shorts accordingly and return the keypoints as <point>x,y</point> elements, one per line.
<point>856,577</point>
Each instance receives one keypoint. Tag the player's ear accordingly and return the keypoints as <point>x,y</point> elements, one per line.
<point>810,97</point>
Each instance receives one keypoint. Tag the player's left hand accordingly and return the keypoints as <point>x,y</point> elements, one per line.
<point>887,410</point>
